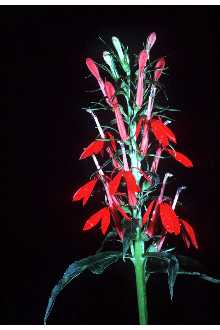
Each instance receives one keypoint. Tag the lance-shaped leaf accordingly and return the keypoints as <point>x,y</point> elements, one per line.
<point>159,68</point>
<point>181,158</point>
<point>109,60</point>
<point>190,233</point>
<point>172,271</point>
<point>123,56</point>
<point>129,235</point>
<point>169,219</point>
<point>85,191</point>
<point>102,215</point>
<point>97,264</point>
<point>93,148</point>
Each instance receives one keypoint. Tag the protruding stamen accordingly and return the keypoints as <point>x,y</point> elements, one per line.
<point>151,102</point>
<point>166,176</point>
<point>97,124</point>
<point>102,176</point>
<point>177,196</point>
<point>125,161</point>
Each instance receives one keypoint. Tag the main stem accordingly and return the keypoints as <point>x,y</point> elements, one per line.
<point>140,282</point>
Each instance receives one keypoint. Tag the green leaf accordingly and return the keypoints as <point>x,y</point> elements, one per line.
<point>96,264</point>
<point>129,235</point>
<point>110,236</point>
<point>172,271</point>
<point>202,276</point>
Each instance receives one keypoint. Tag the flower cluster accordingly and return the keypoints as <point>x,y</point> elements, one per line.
<point>131,147</point>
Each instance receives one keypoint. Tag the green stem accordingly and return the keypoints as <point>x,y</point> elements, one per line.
<point>140,281</point>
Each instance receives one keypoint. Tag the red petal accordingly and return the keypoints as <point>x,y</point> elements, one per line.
<point>93,68</point>
<point>113,143</point>
<point>181,158</point>
<point>160,130</point>
<point>142,60</point>
<point>169,219</point>
<point>85,191</point>
<point>186,240</point>
<point>159,68</point>
<point>190,232</point>
<point>138,127</point>
<point>131,182</point>
<point>117,222</point>
<point>110,92</point>
<point>114,184</point>
<point>120,124</point>
<point>93,148</point>
<point>145,138</point>
<point>105,220</point>
<point>93,220</point>
<point>122,212</point>
<point>148,212</point>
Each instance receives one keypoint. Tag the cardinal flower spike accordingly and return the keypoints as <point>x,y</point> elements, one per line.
<point>127,156</point>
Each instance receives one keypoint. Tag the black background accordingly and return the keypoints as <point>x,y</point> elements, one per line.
<point>46,49</point>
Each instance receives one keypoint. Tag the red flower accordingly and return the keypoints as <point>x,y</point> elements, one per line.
<point>102,215</point>
<point>189,234</point>
<point>113,102</point>
<point>162,133</point>
<point>181,158</point>
<point>93,148</point>
<point>132,186</point>
<point>159,68</point>
<point>148,212</point>
<point>85,191</point>
<point>140,88</point>
<point>169,219</point>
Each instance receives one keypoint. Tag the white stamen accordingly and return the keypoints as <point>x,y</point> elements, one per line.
<point>177,196</point>
<point>97,124</point>
<point>125,161</point>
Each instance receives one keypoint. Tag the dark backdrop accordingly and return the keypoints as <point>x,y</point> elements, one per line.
<point>46,49</point>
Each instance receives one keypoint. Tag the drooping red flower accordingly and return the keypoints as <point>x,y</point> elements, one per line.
<point>102,215</point>
<point>93,148</point>
<point>140,88</point>
<point>181,158</point>
<point>159,68</point>
<point>113,102</point>
<point>169,219</point>
<point>85,191</point>
<point>148,212</point>
<point>131,184</point>
<point>162,133</point>
<point>190,234</point>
